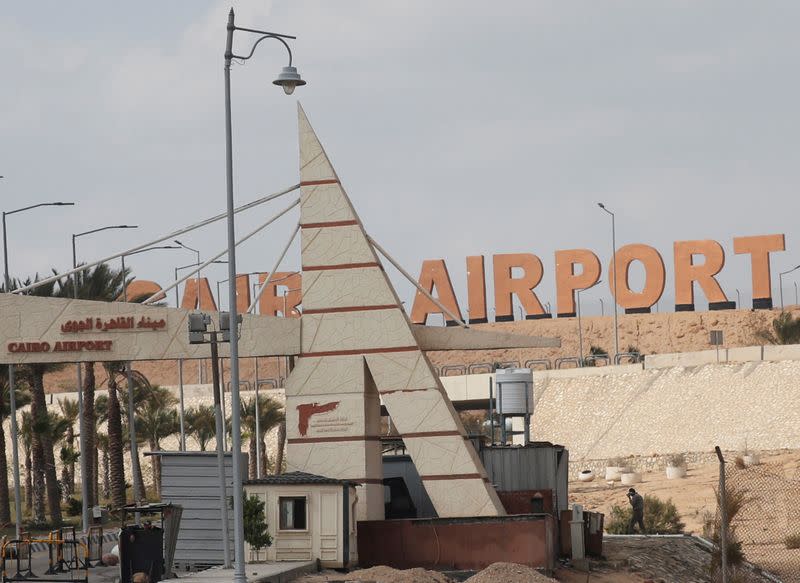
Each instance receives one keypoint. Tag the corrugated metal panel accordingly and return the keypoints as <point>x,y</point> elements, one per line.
<point>192,480</point>
<point>401,466</point>
<point>537,467</point>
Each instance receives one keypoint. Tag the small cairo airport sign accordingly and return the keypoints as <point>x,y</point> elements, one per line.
<point>93,325</point>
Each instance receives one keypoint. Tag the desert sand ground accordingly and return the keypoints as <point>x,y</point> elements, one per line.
<point>769,514</point>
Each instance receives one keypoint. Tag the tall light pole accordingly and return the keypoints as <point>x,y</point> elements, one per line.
<point>288,79</point>
<point>780,280</point>
<point>11,389</point>
<point>613,273</point>
<point>82,428</point>
<point>199,362</point>
<point>578,313</point>
<point>138,495</point>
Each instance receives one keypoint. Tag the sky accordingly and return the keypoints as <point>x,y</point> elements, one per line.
<point>457,128</point>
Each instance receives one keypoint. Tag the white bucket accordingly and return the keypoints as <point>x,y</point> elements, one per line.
<point>630,478</point>
<point>675,473</point>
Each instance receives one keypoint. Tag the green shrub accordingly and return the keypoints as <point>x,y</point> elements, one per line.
<point>255,524</point>
<point>792,541</point>
<point>659,517</point>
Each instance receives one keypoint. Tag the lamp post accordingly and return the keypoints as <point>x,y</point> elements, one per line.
<point>578,313</point>
<point>197,253</point>
<point>780,280</point>
<point>81,422</point>
<point>288,79</point>
<point>11,389</point>
<point>613,273</point>
<point>137,494</point>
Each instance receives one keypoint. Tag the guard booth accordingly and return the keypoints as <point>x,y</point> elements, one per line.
<point>309,517</point>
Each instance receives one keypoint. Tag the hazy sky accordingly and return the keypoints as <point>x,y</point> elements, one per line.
<point>457,128</point>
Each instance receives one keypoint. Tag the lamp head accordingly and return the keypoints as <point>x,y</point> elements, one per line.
<point>289,78</point>
<point>601,205</point>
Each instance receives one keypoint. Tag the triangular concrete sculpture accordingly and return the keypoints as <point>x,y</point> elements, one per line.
<point>358,348</point>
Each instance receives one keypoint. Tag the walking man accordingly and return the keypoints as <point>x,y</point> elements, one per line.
<point>637,502</point>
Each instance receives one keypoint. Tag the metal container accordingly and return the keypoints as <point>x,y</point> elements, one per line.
<point>514,391</point>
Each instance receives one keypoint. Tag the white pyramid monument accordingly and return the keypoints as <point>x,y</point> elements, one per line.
<point>358,349</point>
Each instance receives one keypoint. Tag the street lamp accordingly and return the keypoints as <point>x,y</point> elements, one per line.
<point>580,330</point>
<point>138,495</point>
<point>288,79</point>
<point>81,422</point>
<point>11,397</point>
<point>613,273</point>
<point>780,280</point>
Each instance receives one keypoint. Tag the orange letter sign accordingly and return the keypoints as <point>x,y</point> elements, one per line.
<point>759,248</point>
<point>686,273</point>
<point>434,275</point>
<point>476,290</point>
<point>194,300</point>
<point>272,304</point>
<point>567,281</point>
<point>506,286</point>
<point>638,302</point>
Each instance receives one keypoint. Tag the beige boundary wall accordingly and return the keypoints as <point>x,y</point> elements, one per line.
<point>673,403</point>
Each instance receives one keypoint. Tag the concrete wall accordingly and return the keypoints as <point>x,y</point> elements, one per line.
<point>671,403</point>
<point>671,410</point>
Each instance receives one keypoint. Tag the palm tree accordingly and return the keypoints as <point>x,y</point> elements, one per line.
<point>270,415</point>
<point>22,397</point>
<point>42,455</point>
<point>103,444</point>
<point>104,284</point>
<point>201,424</point>
<point>101,416</point>
<point>69,455</point>
<point>785,330</point>
<point>157,419</point>
<point>26,436</point>
<point>114,451</point>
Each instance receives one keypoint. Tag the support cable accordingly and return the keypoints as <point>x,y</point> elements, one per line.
<point>252,307</point>
<point>161,293</point>
<point>172,235</point>
<point>416,284</point>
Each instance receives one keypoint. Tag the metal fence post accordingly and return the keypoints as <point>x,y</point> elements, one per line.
<point>723,510</point>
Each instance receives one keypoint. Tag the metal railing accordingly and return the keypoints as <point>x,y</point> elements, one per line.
<point>63,557</point>
<point>459,369</point>
<point>533,363</point>
<point>560,362</point>
<point>476,366</point>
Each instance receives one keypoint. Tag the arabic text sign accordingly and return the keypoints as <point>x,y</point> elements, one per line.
<point>120,323</point>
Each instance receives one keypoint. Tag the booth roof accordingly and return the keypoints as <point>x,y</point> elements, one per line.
<point>291,478</point>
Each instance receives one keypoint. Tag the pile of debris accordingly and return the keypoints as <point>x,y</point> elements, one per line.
<point>496,573</point>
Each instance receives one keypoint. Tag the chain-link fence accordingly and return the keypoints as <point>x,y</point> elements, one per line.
<point>758,517</point>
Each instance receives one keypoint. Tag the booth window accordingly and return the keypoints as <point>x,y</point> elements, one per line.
<point>292,513</point>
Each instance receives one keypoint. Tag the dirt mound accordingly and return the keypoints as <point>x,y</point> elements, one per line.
<point>509,573</point>
<point>382,575</point>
